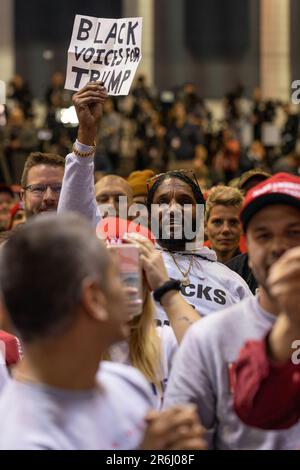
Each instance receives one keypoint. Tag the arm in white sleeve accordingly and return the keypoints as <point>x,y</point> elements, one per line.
<point>77,193</point>
<point>190,381</point>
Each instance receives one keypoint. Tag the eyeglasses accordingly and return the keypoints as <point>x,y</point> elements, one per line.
<point>40,189</point>
<point>189,173</point>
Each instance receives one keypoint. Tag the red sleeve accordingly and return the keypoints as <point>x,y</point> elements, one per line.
<point>267,395</point>
<point>12,348</point>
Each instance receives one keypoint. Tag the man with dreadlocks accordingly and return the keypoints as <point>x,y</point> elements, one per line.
<point>176,205</point>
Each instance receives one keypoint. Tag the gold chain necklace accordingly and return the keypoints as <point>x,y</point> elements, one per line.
<point>185,281</point>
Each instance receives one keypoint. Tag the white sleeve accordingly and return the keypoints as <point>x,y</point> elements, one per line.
<point>190,381</point>
<point>4,376</point>
<point>127,377</point>
<point>77,192</point>
<point>169,347</point>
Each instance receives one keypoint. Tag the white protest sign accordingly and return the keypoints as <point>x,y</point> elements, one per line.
<point>106,50</point>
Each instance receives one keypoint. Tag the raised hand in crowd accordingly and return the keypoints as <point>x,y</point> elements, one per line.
<point>152,262</point>
<point>88,104</point>
<point>284,282</point>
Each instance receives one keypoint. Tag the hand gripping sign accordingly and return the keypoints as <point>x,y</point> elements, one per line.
<point>106,50</point>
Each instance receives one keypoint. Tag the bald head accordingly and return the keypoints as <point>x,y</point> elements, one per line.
<point>113,192</point>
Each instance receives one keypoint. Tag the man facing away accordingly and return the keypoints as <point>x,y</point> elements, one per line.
<point>62,293</point>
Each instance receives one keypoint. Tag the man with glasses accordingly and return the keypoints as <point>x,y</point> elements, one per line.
<point>41,182</point>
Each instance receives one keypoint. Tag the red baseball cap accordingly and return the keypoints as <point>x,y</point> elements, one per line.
<point>282,188</point>
<point>113,229</point>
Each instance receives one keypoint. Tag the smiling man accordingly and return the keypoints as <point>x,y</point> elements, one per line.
<point>204,368</point>
<point>41,182</point>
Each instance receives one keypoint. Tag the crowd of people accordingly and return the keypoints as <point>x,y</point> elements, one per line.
<point>187,360</point>
<point>173,128</point>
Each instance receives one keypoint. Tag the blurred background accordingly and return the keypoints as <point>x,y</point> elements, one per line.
<point>212,93</point>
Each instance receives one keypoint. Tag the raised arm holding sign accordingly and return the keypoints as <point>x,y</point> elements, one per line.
<point>77,192</point>
<point>88,104</point>
<point>106,50</point>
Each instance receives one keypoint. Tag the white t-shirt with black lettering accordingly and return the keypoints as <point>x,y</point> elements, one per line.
<point>212,285</point>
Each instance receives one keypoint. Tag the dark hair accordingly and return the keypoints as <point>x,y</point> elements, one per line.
<point>42,267</point>
<point>181,176</point>
<point>38,158</point>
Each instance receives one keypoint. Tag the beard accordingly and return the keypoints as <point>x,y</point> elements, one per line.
<point>176,237</point>
<point>173,244</point>
<point>174,230</point>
